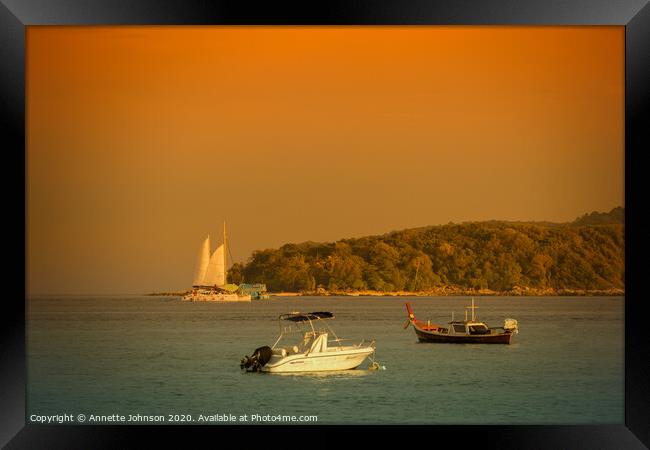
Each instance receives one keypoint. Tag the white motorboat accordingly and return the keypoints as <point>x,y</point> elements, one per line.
<point>318,349</point>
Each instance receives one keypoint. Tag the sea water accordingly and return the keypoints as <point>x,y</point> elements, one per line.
<point>159,357</point>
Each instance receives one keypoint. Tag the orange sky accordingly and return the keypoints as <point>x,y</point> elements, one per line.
<point>140,140</point>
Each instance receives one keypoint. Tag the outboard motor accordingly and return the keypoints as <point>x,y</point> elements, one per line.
<point>257,360</point>
<point>511,325</point>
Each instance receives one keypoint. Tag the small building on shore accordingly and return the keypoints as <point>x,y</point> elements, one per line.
<point>256,291</point>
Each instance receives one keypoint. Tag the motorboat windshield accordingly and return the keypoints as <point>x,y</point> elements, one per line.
<point>309,326</point>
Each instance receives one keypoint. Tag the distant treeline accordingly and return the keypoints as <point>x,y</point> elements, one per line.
<point>616,215</point>
<point>586,254</point>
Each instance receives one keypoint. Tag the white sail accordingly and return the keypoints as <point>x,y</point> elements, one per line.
<point>202,262</point>
<point>216,273</point>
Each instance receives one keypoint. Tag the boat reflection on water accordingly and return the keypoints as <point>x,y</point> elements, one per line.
<point>332,374</point>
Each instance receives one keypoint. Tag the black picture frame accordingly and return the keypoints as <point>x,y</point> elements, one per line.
<point>16,15</point>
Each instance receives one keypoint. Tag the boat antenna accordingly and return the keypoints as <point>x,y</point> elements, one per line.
<point>473,308</point>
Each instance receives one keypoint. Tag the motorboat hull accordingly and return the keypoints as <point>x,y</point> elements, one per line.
<point>333,360</point>
<point>491,338</point>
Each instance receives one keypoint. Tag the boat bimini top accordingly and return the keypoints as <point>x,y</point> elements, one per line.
<point>302,317</point>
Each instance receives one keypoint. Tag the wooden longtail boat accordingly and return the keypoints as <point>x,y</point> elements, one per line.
<point>462,332</point>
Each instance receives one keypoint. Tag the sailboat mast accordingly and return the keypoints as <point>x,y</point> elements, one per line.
<point>225,255</point>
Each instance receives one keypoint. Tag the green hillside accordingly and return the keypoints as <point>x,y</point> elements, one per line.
<point>480,255</point>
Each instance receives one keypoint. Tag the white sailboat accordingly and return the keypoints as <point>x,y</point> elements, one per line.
<point>211,275</point>
<point>202,263</point>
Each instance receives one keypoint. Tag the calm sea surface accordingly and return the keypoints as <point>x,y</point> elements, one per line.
<point>160,356</point>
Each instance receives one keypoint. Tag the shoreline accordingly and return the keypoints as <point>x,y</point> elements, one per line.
<point>447,291</point>
<point>463,292</point>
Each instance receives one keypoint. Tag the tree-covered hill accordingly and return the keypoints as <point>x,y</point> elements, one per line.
<point>479,255</point>
<point>616,215</point>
